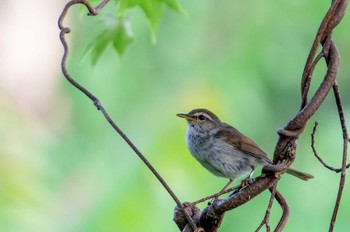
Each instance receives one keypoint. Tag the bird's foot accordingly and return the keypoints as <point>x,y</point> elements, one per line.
<point>246,182</point>
<point>215,199</point>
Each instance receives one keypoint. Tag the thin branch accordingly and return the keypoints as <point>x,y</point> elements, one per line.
<point>275,194</point>
<point>337,170</point>
<point>298,123</point>
<point>285,211</point>
<point>101,5</point>
<point>344,159</point>
<point>321,34</point>
<point>235,188</point>
<point>332,18</point>
<point>307,81</point>
<point>65,30</point>
<point>246,194</point>
<point>345,151</point>
<point>266,220</point>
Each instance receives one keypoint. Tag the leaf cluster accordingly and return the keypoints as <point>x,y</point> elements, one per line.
<point>116,29</point>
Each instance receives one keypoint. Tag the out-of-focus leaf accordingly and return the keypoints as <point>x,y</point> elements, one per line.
<point>174,5</point>
<point>116,31</point>
<point>153,10</point>
<point>99,45</point>
<point>123,36</point>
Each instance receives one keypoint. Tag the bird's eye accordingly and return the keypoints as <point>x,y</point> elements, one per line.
<point>201,117</point>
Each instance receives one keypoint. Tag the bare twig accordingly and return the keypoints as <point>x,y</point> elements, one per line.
<point>214,195</point>
<point>337,170</point>
<point>246,194</point>
<point>65,30</point>
<point>345,151</point>
<point>101,5</point>
<point>307,81</point>
<point>234,189</point>
<point>266,220</point>
<point>334,16</point>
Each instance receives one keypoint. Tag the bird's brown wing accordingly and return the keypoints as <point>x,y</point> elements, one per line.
<point>241,142</point>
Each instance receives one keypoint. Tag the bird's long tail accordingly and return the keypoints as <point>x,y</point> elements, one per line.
<point>299,174</point>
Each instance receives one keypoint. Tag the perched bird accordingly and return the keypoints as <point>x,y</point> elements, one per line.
<point>223,150</point>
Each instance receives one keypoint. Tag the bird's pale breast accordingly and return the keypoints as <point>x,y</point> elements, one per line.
<point>218,157</point>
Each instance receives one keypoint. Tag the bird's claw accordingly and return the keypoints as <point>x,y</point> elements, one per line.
<point>246,182</point>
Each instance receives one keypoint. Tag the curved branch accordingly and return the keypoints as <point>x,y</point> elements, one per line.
<point>65,30</point>
<point>298,123</point>
<point>285,148</point>
<point>284,154</point>
<point>333,16</point>
<point>285,212</point>
<point>337,170</point>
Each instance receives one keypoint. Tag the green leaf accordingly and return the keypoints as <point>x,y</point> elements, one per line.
<point>174,5</point>
<point>99,46</point>
<point>116,31</point>
<point>153,10</point>
<point>123,36</point>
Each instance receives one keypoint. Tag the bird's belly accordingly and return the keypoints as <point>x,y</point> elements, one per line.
<point>223,160</point>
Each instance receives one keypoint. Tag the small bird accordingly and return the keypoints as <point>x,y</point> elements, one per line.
<point>223,150</point>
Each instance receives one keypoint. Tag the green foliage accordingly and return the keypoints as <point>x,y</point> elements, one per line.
<point>117,30</point>
<point>153,10</point>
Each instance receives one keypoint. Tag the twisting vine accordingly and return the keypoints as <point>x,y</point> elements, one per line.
<point>187,216</point>
<point>285,149</point>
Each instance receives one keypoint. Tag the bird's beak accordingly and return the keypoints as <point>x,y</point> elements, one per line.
<point>186,116</point>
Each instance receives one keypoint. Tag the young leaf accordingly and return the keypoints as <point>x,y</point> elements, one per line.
<point>123,36</point>
<point>116,31</point>
<point>153,10</point>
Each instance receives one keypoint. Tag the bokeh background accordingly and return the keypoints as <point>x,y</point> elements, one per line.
<point>62,167</point>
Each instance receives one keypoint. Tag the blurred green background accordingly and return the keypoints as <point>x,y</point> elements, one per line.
<point>63,168</point>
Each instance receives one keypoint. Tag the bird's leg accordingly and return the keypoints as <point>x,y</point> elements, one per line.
<point>222,190</point>
<point>245,182</point>
<point>248,180</point>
